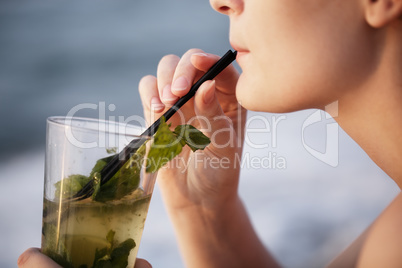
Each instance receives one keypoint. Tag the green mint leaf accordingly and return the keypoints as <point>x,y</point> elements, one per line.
<point>103,263</point>
<point>102,257</point>
<point>194,138</point>
<point>111,150</point>
<point>167,144</point>
<point>96,180</point>
<point>111,256</point>
<point>165,147</point>
<point>119,255</point>
<point>70,186</point>
<point>100,164</point>
<point>110,236</point>
<point>124,182</point>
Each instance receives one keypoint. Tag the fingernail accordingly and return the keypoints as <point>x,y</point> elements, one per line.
<point>167,95</point>
<point>209,94</point>
<point>156,104</point>
<point>180,84</point>
<point>200,54</point>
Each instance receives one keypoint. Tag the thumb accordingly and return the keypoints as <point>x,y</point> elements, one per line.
<point>34,258</point>
<point>141,263</point>
<point>214,123</point>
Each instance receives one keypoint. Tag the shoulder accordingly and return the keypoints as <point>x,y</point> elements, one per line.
<point>380,245</point>
<point>383,243</point>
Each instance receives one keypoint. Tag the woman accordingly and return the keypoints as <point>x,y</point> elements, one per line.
<point>294,55</point>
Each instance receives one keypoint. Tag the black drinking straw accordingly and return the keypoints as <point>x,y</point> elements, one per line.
<point>119,159</point>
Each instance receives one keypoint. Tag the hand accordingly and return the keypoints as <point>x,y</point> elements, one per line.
<point>32,257</point>
<point>206,178</point>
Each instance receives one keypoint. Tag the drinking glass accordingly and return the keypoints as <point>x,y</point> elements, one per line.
<point>104,229</point>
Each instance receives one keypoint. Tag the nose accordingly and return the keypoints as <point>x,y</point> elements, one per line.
<point>228,7</point>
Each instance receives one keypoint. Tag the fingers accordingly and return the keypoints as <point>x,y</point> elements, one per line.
<point>185,74</point>
<point>226,80</point>
<point>141,263</point>
<point>34,258</point>
<point>150,98</point>
<point>165,72</point>
<point>158,94</point>
<point>175,77</point>
<point>212,120</point>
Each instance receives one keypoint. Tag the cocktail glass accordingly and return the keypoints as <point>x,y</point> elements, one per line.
<point>103,230</point>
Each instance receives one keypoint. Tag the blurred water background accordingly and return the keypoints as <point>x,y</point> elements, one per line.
<point>55,55</point>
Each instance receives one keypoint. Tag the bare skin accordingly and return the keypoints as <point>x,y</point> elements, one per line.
<point>294,55</point>
<point>32,257</point>
<point>345,51</point>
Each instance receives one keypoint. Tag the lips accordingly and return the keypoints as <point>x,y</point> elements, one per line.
<point>241,52</point>
<point>241,57</point>
<point>239,49</point>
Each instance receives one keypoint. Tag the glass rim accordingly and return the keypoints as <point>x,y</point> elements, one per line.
<point>61,121</point>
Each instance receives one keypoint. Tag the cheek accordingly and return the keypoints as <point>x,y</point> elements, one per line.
<point>275,75</point>
<point>286,83</point>
<point>300,62</point>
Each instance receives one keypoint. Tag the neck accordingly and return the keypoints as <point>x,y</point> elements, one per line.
<point>372,114</point>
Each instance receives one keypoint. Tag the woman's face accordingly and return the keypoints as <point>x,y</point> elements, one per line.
<point>297,54</point>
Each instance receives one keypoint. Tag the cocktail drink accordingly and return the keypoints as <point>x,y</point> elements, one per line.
<point>105,228</point>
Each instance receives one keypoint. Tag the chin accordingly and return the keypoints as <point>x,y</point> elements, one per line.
<point>254,98</point>
<point>271,101</point>
<point>255,103</point>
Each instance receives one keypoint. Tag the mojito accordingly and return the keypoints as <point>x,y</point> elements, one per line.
<point>88,234</point>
